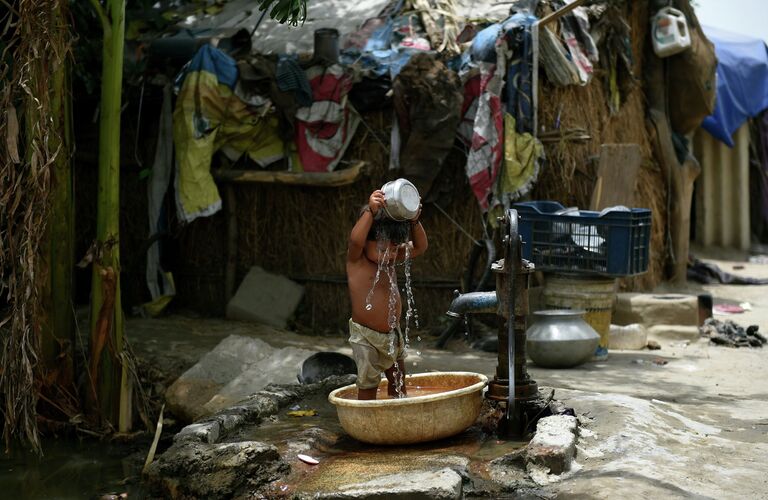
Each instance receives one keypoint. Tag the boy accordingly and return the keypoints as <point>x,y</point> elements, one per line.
<point>374,240</point>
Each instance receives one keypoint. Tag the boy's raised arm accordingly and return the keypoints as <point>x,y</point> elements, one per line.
<point>419,236</point>
<point>358,236</point>
<point>363,225</point>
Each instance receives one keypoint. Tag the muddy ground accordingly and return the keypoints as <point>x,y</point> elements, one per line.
<point>690,419</point>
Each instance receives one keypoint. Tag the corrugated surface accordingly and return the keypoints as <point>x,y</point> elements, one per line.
<point>722,191</point>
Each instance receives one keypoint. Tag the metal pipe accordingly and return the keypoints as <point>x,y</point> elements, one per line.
<point>473,302</point>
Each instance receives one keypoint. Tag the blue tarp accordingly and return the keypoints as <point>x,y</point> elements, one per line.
<point>742,82</point>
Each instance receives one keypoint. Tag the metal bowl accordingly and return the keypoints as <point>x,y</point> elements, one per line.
<point>403,200</point>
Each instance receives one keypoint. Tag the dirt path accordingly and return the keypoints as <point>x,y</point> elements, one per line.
<point>687,420</point>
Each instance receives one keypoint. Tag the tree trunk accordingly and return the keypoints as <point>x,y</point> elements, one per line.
<point>58,331</point>
<point>112,384</point>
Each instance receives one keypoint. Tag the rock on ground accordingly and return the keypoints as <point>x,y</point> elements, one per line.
<point>667,333</point>
<point>236,368</point>
<point>554,444</point>
<point>200,465</point>
<point>265,298</point>
<point>443,484</point>
<point>212,471</point>
<point>656,309</point>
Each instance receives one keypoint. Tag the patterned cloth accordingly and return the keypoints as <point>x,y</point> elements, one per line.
<point>518,50</point>
<point>482,108</point>
<point>324,129</point>
<point>208,117</point>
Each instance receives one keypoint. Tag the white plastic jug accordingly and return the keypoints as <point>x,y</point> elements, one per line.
<point>670,32</point>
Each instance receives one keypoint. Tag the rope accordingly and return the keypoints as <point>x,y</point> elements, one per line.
<point>374,134</point>
<point>456,224</point>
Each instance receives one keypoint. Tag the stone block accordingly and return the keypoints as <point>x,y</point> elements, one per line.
<point>554,444</point>
<point>656,309</point>
<point>265,298</point>
<point>629,337</point>
<point>214,471</point>
<point>667,333</point>
<point>236,368</point>
<point>204,432</point>
<point>443,484</point>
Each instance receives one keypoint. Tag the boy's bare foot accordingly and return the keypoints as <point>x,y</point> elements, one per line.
<point>366,394</point>
<point>393,393</point>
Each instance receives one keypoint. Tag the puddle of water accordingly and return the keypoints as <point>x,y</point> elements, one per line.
<point>344,460</point>
<point>70,470</point>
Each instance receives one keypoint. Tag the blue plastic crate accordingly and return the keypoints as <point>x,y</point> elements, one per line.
<point>615,244</point>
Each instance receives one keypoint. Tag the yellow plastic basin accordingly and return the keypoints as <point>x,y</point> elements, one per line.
<point>439,405</point>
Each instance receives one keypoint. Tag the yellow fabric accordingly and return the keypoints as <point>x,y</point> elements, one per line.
<point>209,116</point>
<point>155,307</point>
<point>521,160</point>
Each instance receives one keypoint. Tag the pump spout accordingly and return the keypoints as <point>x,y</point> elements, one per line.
<point>473,302</point>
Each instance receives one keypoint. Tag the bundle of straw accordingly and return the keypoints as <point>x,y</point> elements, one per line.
<point>37,44</point>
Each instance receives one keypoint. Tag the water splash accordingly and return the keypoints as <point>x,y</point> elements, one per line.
<point>411,311</point>
<point>383,259</point>
<point>386,263</point>
<point>392,317</point>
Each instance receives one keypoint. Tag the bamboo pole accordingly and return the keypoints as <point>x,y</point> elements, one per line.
<point>113,387</point>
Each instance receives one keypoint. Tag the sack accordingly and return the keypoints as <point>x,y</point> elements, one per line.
<point>692,80</point>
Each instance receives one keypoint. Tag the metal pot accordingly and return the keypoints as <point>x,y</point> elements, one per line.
<point>327,45</point>
<point>403,200</point>
<point>560,338</point>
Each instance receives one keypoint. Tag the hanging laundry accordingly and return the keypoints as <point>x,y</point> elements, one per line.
<point>290,77</point>
<point>482,106</point>
<point>324,129</point>
<point>522,156</point>
<point>518,50</point>
<point>427,98</point>
<point>209,117</point>
<point>159,281</point>
<point>574,28</point>
<point>617,61</point>
<point>556,61</point>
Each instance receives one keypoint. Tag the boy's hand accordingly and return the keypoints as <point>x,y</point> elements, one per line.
<point>376,201</point>
<point>416,217</point>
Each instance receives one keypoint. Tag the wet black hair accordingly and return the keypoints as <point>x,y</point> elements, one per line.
<point>384,228</point>
<point>390,230</point>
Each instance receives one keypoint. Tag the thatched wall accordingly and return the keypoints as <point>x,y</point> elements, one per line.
<point>570,173</point>
<point>301,232</point>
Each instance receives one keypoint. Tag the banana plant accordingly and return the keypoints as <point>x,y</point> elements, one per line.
<point>109,378</point>
<point>292,12</point>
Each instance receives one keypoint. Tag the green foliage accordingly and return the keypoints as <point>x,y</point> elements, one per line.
<point>290,12</point>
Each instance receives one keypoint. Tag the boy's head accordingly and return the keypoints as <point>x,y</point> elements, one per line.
<point>385,233</point>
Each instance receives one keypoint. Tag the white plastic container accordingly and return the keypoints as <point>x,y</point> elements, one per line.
<point>670,32</point>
